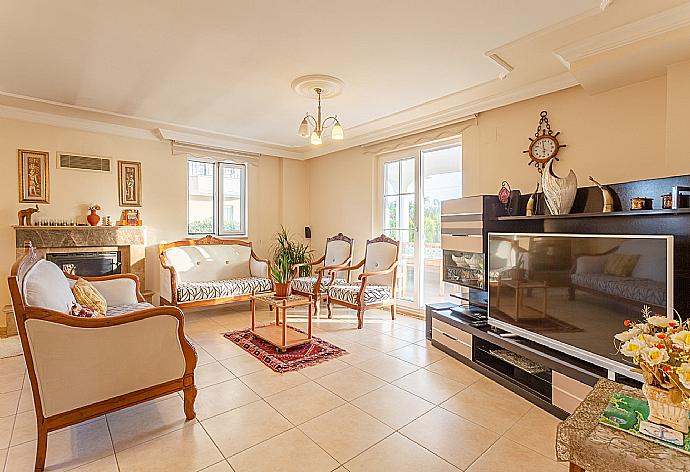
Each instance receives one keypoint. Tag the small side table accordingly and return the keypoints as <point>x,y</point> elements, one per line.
<point>593,447</point>
<point>519,288</point>
<point>277,334</point>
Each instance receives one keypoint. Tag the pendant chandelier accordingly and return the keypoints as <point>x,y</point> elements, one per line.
<point>319,86</point>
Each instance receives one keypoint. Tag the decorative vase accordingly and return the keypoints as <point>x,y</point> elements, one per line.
<point>559,193</point>
<point>665,412</point>
<point>93,218</point>
<point>283,290</point>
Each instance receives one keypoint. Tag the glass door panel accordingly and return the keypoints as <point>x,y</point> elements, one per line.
<point>441,180</point>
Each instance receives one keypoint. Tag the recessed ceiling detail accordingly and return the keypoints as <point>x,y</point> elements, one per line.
<point>306,86</point>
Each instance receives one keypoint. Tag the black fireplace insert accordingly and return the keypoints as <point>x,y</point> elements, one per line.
<point>88,264</point>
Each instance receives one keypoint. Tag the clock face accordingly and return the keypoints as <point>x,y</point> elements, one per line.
<point>543,148</point>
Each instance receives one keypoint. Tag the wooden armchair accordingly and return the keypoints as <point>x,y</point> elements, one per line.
<point>376,284</point>
<point>338,253</point>
<point>82,368</point>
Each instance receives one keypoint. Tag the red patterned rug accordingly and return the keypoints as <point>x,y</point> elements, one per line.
<point>294,358</point>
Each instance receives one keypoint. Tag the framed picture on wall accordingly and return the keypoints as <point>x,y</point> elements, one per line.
<point>34,181</point>
<point>129,183</point>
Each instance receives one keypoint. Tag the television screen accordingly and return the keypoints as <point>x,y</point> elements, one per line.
<point>573,292</point>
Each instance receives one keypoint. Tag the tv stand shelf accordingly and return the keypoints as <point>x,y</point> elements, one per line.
<point>659,212</point>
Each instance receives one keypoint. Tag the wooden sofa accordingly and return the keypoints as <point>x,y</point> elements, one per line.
<point>82,368</point>
<point>211,271</point>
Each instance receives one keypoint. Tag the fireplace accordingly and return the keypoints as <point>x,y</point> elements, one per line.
<point>88,264</point>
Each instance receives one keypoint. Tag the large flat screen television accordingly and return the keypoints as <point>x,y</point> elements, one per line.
<point>573,292</point>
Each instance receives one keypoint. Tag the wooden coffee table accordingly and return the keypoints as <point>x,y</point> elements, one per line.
<point>277,334</point>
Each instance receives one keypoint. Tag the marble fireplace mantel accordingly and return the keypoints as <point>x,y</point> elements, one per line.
<point>80,236</point>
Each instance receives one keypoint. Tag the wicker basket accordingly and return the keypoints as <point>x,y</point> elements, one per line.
<point>663,411</point>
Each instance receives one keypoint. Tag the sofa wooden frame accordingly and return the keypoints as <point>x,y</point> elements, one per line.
<point>24,312</point>
<point>205,241</point>
<point>360,307</point>
<point>326,270</point>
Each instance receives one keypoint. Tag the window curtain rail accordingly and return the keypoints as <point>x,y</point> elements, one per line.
<point>217,153</point>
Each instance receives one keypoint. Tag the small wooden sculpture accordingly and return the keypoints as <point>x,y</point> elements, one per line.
<point>24,216</point>
<point>606,194</point>
<point>533,202</point>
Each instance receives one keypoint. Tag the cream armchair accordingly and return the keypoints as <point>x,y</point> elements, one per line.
<point>82,368</point>
<point>338,253</point>
<point>376,284</point>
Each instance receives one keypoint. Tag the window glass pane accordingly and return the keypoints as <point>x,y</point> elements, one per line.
<point>406,265</point>
<point>233,198</point>
<point>407,213</point>
<point>407,176</point>
<point>200,197</point>
<point>391,179</point>
<point>390,212</point>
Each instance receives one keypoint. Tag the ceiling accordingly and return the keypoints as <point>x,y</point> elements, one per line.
<point>221,69</point>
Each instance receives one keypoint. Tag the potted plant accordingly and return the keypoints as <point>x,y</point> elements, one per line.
<point>660,346</point>
<point>286,254</point>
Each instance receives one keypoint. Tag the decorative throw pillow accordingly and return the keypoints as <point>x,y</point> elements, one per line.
<point>83,311</point>
<point>621,265</point>
<point>87,295</point>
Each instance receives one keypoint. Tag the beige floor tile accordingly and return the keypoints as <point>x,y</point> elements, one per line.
<point>410,335</point>
<point>147,421</point>
<point>499,414</point>
<point>6,425</point>
<point>67,448</point>
<point>383,342</point>
<point>456,370</point>
<point>455,439</point>
<point>520,458</point>
<point>9,402</point>
<point>350,383</point>
<point>411,322</point>
<point>345,431</point>
<point>304,402</point>
<point>211,374</point>
<point>218,346</point>
<point>291,451</point>
<point>12,365</point>
<point>107,464</point>
<point>26,400</point>
<point>396,453</point>
<point>357,353</point>
<point>325,368</point>
<point>430,386</point>
<point>243,365</point>
<point>392,405</point>
<point>11,382</point>
<point>418,355</point>
<point>387,367</point>
<point>266,382</point>
<point>245,427</point>
<point>537,431</point>
<point>188,449</point>
<point>222,397</point>
<point>24,428</point>
<point>203,357</point>
<point>222,466</point>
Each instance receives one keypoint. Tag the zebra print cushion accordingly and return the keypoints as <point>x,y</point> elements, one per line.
<point>124,309</point>
<point>306,284</point>
<point>348,293</point>
<point>194,291</point>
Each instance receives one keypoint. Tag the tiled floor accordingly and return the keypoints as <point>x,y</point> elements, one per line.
<point>394,403</point>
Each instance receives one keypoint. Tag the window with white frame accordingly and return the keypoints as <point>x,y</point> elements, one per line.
<point>216,198</point>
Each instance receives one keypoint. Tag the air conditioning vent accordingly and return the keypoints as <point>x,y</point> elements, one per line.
<point>92,163</point>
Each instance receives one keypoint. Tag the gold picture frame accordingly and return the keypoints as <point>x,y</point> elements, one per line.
<point>129,183</point>
<point>34,176</point>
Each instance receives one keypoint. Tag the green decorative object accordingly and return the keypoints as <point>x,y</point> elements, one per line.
<point>630,415</point>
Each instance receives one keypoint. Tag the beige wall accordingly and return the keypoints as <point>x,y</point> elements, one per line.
<point>164,189</point>
<point>633,132</point>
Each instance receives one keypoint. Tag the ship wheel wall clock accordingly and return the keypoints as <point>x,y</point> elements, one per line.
<point>544,146</point>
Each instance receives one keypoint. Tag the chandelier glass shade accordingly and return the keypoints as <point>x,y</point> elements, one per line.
<point>313,127</point>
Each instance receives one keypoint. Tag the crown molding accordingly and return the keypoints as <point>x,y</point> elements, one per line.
<point>645,28</point>
<point>82,124</point>
<point>446,116</point>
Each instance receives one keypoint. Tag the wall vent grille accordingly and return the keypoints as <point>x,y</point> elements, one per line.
<point>91,163</point>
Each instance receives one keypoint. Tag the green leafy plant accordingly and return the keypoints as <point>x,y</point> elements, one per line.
<point>287,253</point>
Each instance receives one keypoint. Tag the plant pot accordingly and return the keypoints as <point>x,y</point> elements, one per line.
<point>283,290</point>
<point>663,411</point>
<point>93,218</point>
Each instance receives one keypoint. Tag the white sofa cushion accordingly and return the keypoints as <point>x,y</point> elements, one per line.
<point>380,256</point>
<point>204,263</point>
<point>209,290</point>
<point>46,286</point>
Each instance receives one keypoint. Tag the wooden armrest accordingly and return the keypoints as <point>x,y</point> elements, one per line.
<point>343,267</point>
<point>69,320</point>
<point>257,259</point>
<point>378,272</point>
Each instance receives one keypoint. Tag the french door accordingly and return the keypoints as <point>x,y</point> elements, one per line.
<point>413,184</point>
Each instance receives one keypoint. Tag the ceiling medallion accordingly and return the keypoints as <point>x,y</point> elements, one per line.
<point>319,86</point>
